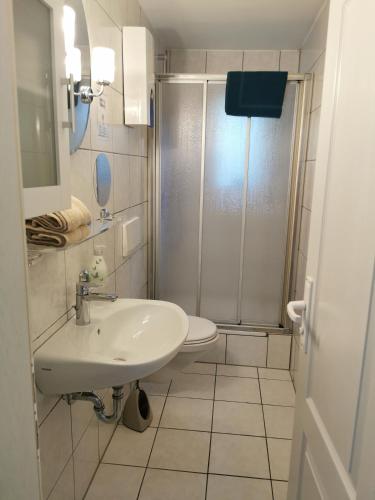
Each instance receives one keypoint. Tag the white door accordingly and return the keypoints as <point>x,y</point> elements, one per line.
<point>333,448</point>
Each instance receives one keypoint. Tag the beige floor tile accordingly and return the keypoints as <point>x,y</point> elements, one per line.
<point>157,405</point>
<point>115,482</point>
<point>129,447</point>
<point>274,374</point>
<point>180,450</point>
<point>238,488</point>
<point>186,413</point>
<point>279,421</point>
<point>201,368</point>
<point>171,485</point>
<point>189,385</point>
<point>279,452</point>
<point>238,418</point>
<point>280,490</point>
<point>155,388</point>
<point>237,371</point>
<point>243,390</point>
<point>239,456</point>
<point>277,392</point>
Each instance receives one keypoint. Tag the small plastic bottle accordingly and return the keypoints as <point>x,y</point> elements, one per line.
<point>98,268</point>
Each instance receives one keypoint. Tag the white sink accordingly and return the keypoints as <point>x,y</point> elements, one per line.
<point>126,340</point>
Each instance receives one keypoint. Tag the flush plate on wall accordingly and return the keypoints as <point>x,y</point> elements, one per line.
<point>131,235</point>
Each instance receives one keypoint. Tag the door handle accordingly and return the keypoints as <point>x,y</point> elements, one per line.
<point>299,312</point>
<point>295,310</point>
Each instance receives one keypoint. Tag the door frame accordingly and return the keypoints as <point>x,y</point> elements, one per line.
<point>19,471</point>
<point>303,97</point>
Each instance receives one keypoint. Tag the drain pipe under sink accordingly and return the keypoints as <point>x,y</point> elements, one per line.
<point>99,407</point>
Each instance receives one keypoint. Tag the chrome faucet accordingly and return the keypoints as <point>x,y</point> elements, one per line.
<point>84,295</point>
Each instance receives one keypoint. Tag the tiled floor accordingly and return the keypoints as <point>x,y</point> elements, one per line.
<point>219,432</point>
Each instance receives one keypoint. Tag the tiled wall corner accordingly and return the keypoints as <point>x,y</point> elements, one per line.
<point>278,351</point>
<point>222,61</point>
<point>311,61</point>
<point>187,61</point>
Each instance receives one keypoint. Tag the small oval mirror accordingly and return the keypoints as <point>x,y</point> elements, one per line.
<point>82,110</point>
<point>103,179</point>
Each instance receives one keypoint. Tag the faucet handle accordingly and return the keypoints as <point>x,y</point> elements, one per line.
<point>84,276</point>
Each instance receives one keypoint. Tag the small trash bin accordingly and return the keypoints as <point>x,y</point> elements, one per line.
<point>137,413</point>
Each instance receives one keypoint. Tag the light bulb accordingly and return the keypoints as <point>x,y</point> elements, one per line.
<point>73,64</point>
<point>69,26</point>
<point>103,65</point>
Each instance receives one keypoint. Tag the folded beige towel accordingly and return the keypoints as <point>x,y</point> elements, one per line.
<point>64,221</point>
<point>60,229</point>
<point>41,236</point>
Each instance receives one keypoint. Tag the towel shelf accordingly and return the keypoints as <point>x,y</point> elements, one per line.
<point>36,252</point>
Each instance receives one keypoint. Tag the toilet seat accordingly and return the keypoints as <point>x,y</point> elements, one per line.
<point>202,332</point>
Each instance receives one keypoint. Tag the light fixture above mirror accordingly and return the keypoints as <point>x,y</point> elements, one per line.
<point>103,63</point>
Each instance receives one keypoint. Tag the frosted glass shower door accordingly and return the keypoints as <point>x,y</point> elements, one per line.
<point>180,178</point>
<point>270,159</point>
<point>224,173</point>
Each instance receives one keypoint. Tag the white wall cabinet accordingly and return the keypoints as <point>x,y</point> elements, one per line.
<point>42,105</point>
<point>139,75</point>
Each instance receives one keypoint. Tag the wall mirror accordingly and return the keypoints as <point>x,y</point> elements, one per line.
<point>103,179</point>
<point>81,112</point>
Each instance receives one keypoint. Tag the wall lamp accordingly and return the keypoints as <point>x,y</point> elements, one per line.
<point>102,63</point>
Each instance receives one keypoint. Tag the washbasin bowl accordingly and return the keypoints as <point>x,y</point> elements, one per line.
<point>126,340</point>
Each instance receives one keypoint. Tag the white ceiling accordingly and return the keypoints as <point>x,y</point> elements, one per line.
<point>231,24</point>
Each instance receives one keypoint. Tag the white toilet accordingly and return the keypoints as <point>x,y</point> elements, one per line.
<point>202,337</point>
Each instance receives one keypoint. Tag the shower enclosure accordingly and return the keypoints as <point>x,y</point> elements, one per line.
<point>225,198</point>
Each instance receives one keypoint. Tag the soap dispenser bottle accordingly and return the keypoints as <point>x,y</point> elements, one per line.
<point>98,268</point>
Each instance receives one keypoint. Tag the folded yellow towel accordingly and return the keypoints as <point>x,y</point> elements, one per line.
<point>60,229</point>
<point>64,221</point>
<point>41,236</point>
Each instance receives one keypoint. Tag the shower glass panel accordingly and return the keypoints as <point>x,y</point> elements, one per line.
<point>225,160</point>
<point>180,177</point>
<point>270,158</point>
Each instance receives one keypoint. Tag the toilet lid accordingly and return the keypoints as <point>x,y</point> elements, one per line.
<point>200,330</point>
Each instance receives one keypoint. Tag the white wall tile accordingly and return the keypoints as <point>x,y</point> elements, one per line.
<point>64,488</point>
<point>120,139</point>
<point>47,300</point>
<point>123,283</point>
<point>246,350</point>
<point>305,229</point>
<point>261,60</point>
<point>313,134</point>
<point>86,458</point>
<point>122,187</point>
<point>278,351</point>
<point>222,61</point>
<point>81,178</point>
<point>308,184</point>
<point>55,440</point>
<point>117,10</point>
<point>44,404</point>
<point>138,273</point>
<point>289,61</point>
<point>301,275</point>
<point>187,61</point>
<point>318,71</point>
<point>107,240</point>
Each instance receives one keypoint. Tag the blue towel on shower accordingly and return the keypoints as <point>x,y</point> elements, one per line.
<point>255,93</point>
